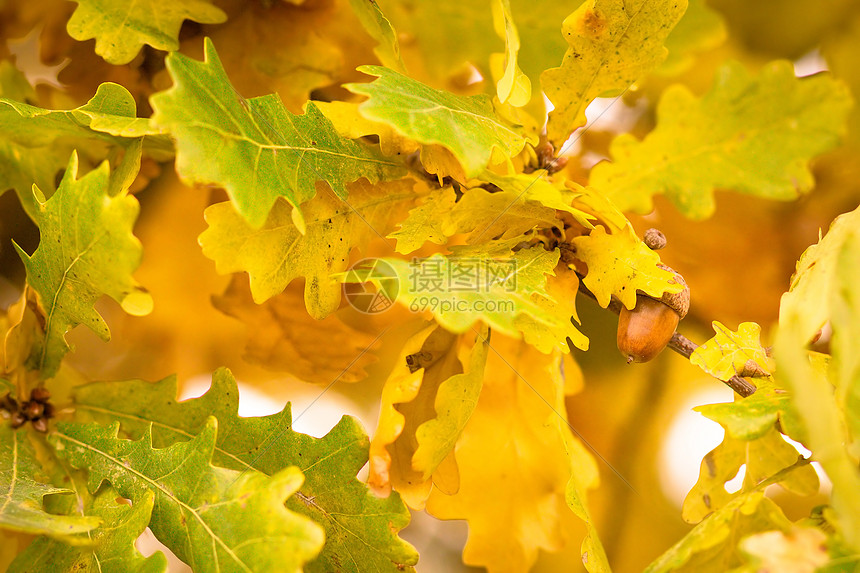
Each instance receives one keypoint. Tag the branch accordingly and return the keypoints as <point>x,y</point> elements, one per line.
<point>680,344</point>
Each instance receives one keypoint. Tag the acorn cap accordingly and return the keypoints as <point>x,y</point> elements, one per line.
<point>677,301</point>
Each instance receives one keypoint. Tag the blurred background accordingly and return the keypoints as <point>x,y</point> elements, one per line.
<point>638,418</point>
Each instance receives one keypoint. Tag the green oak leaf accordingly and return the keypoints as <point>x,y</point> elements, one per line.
<point>110,548</point>
<point>361,529</point>
<point>483,282</point>
<point>612,43</point>
<point>752,417</point>
<point>122,28</point>
<point>37,142</point>
<point>380,29</point>
<point>256,149</point>
<point>767,457</point>
<point>729,353</point>
<point>466,125</point>
<point>277,253</point>
<point>712,546</point>
<point>86,249</point>
<point>750,134</point>
<point>215,519</point>
<point>21,496</point>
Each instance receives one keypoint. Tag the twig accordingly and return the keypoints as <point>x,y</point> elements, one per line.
<point>680,344</point>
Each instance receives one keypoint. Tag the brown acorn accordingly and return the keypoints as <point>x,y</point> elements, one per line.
<point>646,330</point>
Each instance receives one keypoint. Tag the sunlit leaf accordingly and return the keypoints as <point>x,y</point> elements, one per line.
<point>727,354</point>
<point>485,282</point>
<point>612,43</point>
<point>751,417</point>
<point>380,29</point>
<point>255,149</point>
<point>750,134</point>
<point>277,253</point>
<point>513,85</point>
<point>799,549</point>
<point>122,28</point>
<point>524,391</point>
<point>761,457</point>
<point>86,250</point>
<point>711,547</point>
<point>619,265</point>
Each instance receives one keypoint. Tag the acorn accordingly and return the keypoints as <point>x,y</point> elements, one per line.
<point>646,330</point>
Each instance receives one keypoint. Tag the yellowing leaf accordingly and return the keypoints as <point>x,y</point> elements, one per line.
<point>817,405</point>
<point>454,403</point>
<point>348,122</point>
<point>122,28</point>
<point>485,282</point>
<point>428,358</point>
<point>711,547</point>
<point>754,416</point>
<point>467,126</point>
<point>513,86</point>
<point>256,149</point>
<point>749,134</point>
<point>37,142</point>
<point>478,212</point>
<point>536,186</point>
<point>283,337</point>
<point>808,299</point>
<point>799,550</point>
<point>619,265</point>
<point>380,29</point>
<point>845,320</point>
<point>516,441</point>
<point>277,253</point>
<point>728,353</point>
<point>762,458</point>
<point>612,43</point>
<point>86,249</point>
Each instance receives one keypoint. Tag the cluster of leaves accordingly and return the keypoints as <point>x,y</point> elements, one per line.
<point>328,131</point>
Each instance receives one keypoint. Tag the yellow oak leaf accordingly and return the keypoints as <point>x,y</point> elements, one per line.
<point>762,458</point>
<point>349,123</point>
<point>612,43</point>
<point>517,440</point>
<point>428,359</point>
<point>728,353</point>
<point>277,253</point>
<point>619,265</point>
<point>513,86</point>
